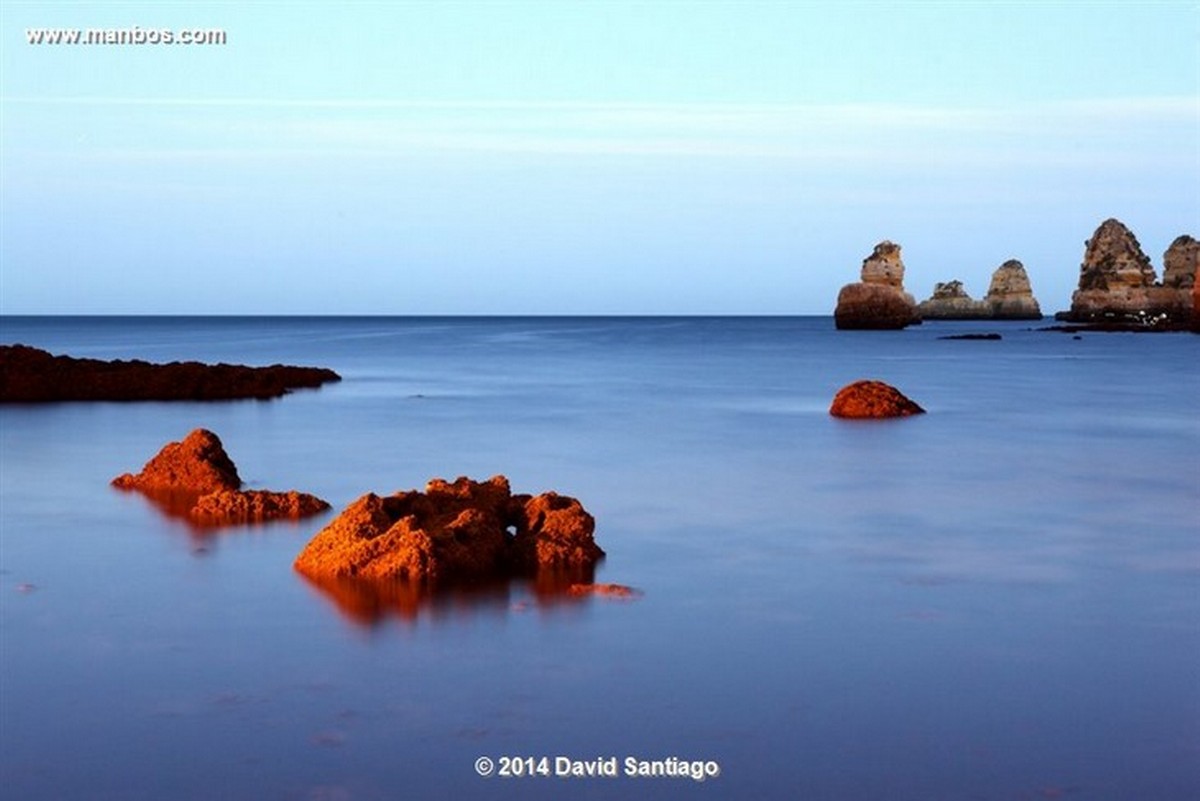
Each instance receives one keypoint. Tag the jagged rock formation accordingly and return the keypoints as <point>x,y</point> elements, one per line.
<point>31,375</point>
<point>1117,286</point>
<point>1010,296</point>
<point>878,300</point>
<point>1196,307</point>
<point>950,301</point>
<point>872,399</point>
<point>1179,263</point>
<point>197,464</point>
<point>454,532</point>
<point>196,479</point>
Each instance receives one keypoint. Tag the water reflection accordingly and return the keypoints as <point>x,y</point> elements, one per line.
<point>371,603</point>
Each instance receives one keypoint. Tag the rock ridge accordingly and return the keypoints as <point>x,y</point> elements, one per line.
<point>32,375</point>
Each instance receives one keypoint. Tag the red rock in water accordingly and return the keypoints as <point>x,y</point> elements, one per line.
<point>872,399</point>
<point>460,531</point>
<point>31,375</point>
<point>554,531</point>
<point>197,464</point>
<point>196,479</point>
<point>226,507</point>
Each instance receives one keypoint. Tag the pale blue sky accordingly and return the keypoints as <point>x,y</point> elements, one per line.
<point>583,158</point>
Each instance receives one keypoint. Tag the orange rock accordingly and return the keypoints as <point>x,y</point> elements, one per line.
<point>225,507</point>
<point>460,531</point>
<point>196,479</point>
<point>198,464</point>
<point>554,531</point>
<point>872,399</point>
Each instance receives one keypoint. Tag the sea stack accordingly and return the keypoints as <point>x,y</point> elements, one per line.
<point>950,301</point>
<point>1010,296</point>
<point>1179,273</point>
<point>878,300</point>
<point>1117,283</point>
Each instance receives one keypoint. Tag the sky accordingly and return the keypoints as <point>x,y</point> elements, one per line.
<point>581,157</point>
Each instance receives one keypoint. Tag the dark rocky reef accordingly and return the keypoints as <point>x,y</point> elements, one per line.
<point>878,299</point>
<point>30,375</point>
<point>872,400</point>
<point>990,336</point>
<point>1118,290</point>
<point>455,532</point>
<point>196,479</point>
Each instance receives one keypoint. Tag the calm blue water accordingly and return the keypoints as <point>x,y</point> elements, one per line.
<point>997,600</point>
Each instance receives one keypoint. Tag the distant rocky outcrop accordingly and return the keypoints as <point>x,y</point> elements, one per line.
<point>196,479</point>
<point>950,301</point>
<point>461,531</point>
<point>878,299</point>
<point>1117,286</point>
<point>1196,307</point>
<point>31,375</point>
<point>1180,261</point>
<point>1009,297</point>
<point>872,399</point>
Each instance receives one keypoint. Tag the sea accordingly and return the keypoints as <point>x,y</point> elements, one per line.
<point>999,599</point>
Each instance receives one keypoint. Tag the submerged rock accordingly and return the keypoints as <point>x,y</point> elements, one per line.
<point>872,399</point>
<point>878,299</point>
<point>620,591</point>
<point>31,375</point>
<point>196,479</point>
<point>453,532</point>
<point>1117,286</point>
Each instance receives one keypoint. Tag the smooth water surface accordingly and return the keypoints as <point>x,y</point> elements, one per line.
<point>997,600</point>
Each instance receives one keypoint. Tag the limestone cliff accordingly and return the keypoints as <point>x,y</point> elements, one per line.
<point>1117,282</point>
